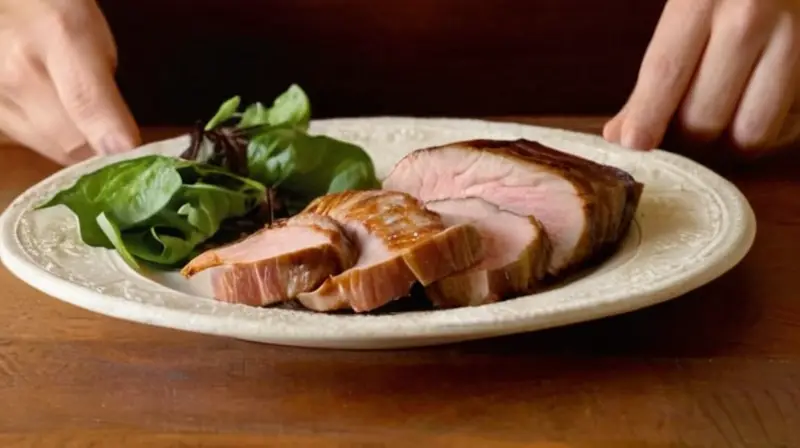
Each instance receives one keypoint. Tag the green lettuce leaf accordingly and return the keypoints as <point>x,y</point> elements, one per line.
<point>157,209</point>
<point>255,115</point>
<point>291,108</point>
<point>128,192</point>
<point>307,166</point>
<point>226,111</point>
<point>114,235</point>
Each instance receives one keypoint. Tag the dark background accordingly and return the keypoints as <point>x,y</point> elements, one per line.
<point>180,58</point>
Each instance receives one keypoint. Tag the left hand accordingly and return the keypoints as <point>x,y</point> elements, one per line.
<point>717,68</point>
<point>58,95</point>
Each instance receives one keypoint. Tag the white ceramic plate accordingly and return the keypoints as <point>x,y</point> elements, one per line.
<point>691,227</point>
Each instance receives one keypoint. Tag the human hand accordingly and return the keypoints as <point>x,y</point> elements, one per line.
<point>717,68</point>
<point>58,95</point>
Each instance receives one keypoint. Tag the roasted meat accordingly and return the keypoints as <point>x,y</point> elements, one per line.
<point>585,207</point>
<point>276,264</point>
<point>400,243</point>
<point>516,254</point>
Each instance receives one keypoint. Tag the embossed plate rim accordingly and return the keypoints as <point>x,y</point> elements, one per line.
<point>408,329</point>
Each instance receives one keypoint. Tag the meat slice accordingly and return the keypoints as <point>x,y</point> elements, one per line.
<point>516,255</point>
<point>276,264</point>
<point>585,207</point>
<point>400,243</point>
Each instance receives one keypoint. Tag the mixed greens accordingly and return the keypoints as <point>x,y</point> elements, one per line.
<point>240,171</point>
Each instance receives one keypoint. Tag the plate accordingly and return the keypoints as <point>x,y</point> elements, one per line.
<point>692,226</point>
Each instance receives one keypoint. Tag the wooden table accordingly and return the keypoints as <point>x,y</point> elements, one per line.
<point>718,367</point>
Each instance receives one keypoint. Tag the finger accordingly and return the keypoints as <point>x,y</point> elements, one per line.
<point>84,81</point>
<point>34,106</point>
<point>770,93</point>
<point>49,118</point>
<point>16,126</point>
<point>667,69</point>
<point>39,104</point>
<point>740,33</point>
<point>613,128</point>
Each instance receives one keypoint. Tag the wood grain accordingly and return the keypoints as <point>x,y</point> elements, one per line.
<point>717,367</point>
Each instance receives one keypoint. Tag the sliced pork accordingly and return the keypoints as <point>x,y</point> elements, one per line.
<point>585,207</point>
<point>277,263</point>
<point>516,255</point>
<point>400,243</point>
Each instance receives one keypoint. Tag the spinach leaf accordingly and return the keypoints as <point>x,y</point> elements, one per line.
<point>226,111</point>
<point>308,166</point>
<point>209,174</point>
<point>256,114</point>
<point>114,235</point>
<point>137,194</point>
<point>173,236</point>
<point>279,152</point>
<point>292,107</point>
<point>207,206</point>
<point>209,197</point>
<point>158,247</point>
<point>164,240</point>
<point>157,209</point>
<point>128,192</point>
<point>176,250</point>
<point>276,153</point>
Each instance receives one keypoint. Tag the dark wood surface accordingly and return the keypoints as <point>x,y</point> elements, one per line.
<point>717,367</point>
<point>180,58</point>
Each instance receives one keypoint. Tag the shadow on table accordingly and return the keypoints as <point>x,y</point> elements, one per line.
<point>573,367</point>
<point>709,322</point>
<point>703,323</point>
<point>623,353</point>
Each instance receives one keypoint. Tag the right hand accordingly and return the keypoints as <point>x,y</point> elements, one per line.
<point>718,71</point>
<point>58,95</point>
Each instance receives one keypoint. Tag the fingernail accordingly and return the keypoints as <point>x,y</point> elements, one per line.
<point>115,143</point>
<point>80,153</point>
<point>634,137</point>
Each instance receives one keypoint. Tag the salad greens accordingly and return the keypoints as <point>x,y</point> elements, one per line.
<point>272,146</point>
<point>155,208</point>
<point>292,107</point>
<point>303,167</point>
<point>235,177</point>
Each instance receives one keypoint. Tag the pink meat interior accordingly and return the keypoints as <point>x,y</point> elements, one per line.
<point>504,234</point>
<point>523,189</point>
<point>272,243</point>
